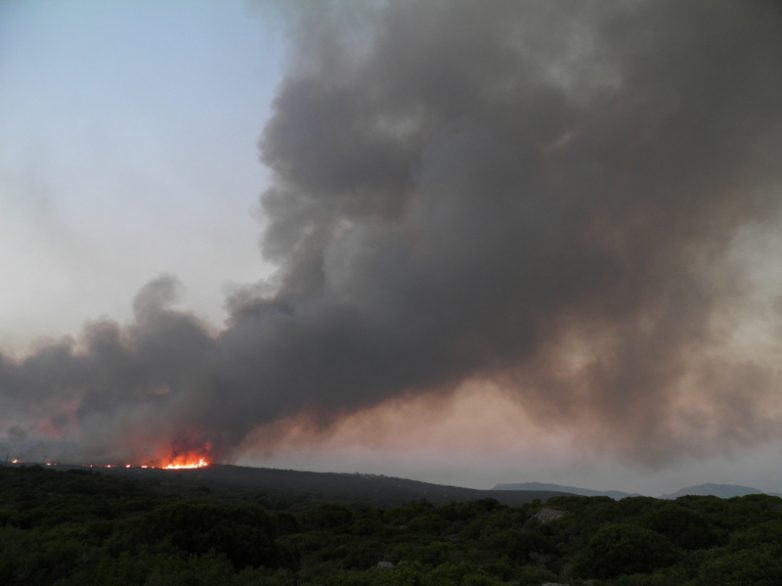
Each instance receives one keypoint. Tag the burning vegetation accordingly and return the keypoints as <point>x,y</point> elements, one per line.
<point>186,463</point>
<point>181,455</point>
<point>168,459</point>
<point>179,461</point>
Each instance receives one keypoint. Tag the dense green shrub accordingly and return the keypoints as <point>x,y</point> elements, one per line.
<point>683,526</point>
<point>623,548</point>
<point>760,566</point>
<point>520,544</point>
<point>240,533</point>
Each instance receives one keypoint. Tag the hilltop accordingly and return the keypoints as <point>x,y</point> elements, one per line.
<point>328,486</point>
<point>544,486</point>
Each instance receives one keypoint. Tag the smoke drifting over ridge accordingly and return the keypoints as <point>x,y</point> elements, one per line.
<point>542,195</point>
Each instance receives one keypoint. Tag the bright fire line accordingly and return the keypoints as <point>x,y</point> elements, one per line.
<point>200,463</point>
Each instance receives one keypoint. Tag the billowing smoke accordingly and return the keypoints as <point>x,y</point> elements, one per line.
<point>546,195</point>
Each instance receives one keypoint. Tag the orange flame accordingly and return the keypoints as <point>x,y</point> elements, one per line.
<point>186,462</point>
<point>181,455</point>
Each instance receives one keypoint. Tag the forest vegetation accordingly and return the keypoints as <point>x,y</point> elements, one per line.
<point>81,528</point>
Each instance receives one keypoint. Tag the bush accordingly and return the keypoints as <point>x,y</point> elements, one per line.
<point>683,526</point>
<point>757,566</point>
<point>518,544</point>
<point>241,534</point>
<point>623,548</point>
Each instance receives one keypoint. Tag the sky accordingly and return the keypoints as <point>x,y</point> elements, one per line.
<point>529,243</point>
<point>128,146</point>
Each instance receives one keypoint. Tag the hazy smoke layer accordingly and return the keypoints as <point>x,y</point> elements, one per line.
<point>540,194</point>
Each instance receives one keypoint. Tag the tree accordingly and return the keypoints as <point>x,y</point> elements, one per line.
<point>623,548</point>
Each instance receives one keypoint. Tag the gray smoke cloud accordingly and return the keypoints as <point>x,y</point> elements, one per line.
<point>539,194</point>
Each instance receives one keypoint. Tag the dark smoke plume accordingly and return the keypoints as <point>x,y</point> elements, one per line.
<point>541,194</point>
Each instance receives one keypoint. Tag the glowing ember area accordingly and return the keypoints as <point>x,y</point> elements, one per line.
<point>183,455</point>
<point>186,463</point>
<point>183,461</point>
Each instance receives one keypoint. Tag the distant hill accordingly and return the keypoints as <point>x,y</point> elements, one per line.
<point>711,489</point>
<point>327,486</point>
<point>724,491</point>
<point>544,486</point>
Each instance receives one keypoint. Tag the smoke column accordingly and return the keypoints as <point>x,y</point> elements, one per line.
<point>544,195</point>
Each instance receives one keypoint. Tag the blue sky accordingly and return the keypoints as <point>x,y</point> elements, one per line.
<point>128,135</point>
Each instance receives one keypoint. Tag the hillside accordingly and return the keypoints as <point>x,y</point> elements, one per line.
<point>544,486</point>
<point>329,486</point>
<point>724,491</point>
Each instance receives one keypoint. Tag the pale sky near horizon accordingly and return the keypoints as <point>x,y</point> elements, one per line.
<point>128,148</point>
